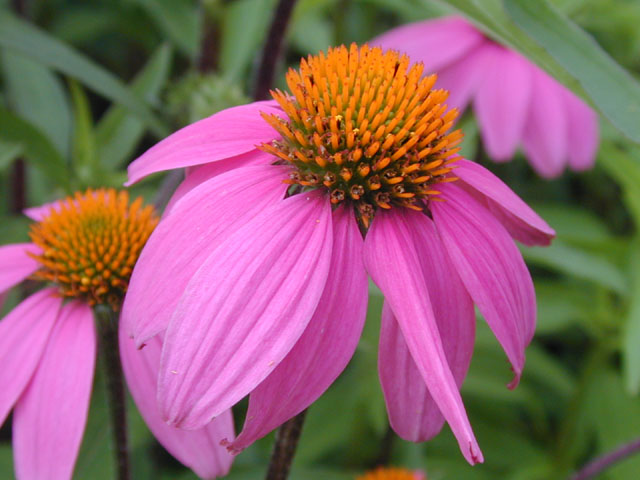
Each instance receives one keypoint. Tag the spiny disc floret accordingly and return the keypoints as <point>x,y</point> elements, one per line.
<point>367,127</point>
<point>90,243</point>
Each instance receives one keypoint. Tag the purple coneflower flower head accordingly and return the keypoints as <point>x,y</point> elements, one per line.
<point>258,271</point>
<point>392,473</point>
<point>515,102</point>
<point>84,249</point>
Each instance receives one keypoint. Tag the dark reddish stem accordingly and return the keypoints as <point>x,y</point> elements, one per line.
<point>107,321</point>
<point>272,49</point>
<point>606,461</point>
<point>284,448</point>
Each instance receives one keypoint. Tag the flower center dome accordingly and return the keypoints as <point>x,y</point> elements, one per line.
<point>389,473</point>
<point>91,242</point>
<point>367,127</point>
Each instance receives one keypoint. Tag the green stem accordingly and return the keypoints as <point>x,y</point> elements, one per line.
<point>107,321</point>
<point>284,448</point>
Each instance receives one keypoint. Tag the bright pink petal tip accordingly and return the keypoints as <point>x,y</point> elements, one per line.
<point>394,265</point>
<point>325,347</point>
<point>158,280</point>
<point>15,264</point>
<point>517,217</point>
<point>226,134</point>
<point>50,417</point>
<point>200,449</point>
<point>244,309</point>
<point>23,336</point>
<point>491,268</point>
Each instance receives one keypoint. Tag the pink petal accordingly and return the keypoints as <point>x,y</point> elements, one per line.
<point>51,414</point>
<point>325,347</point>
<point>462,78</point>
<point>545,132</point>
<point>38,213</point>
<point>502,102</point>
<point>183,240</point>
<point>225,134</point>
<point>23,336</point>
<point>436,43</point>
<point>199,450</point>
<point>413,413</point>
<point>15,264</point>
<point>583,132</point>
<point>491,268</point>
<point>392,261</point>
<point>201,174</point>
<point>244,309</point>
<point>516,216</point>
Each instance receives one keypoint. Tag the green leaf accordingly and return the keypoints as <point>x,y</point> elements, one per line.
<point>610,87</point>
<point>578,263</point>
<point>118,132</point>
<point>624,167</point>
<point>83,154</point>
<point>35,145</point>
<point>631,341</point>
<point>244,26</point>
<point>23,37</point>
<point>38,96</point>
<point>180,21</point>
<point>8,153</point>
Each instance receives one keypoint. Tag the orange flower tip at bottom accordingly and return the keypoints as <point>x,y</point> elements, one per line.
<point>90,243</point>
<point>366,127</point>
<point>391,473</point>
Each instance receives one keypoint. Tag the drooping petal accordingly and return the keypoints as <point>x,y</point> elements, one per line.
<point>462,78</point>
<point>583,132</point>
<point>225,134</point>
<point>545,132</point>
<point>183,240</point>
<point>437,43</point>
<point>325,347</point>
<point>393,263</point>
<point>15,264</point>
<point>502,102</point>
<point>200,449</point>
<point>202,173</point>
<point>23,336</point>
<point>491,268</point>
<point>516,216</point>
<point>413,413</point>
<point>50,416</point>
<point>244,309</point>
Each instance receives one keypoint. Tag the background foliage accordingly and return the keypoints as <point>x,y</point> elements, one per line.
<point>87,86</point>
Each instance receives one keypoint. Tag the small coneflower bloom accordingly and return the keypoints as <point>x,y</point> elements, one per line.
<point>83,249</point>
<point>258,271</point>
<point>392,473</point>
<point>515,102</point>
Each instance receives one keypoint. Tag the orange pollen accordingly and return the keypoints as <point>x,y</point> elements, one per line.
<point>389,473</point>
<point>91,242</point>
<point>367,127</point>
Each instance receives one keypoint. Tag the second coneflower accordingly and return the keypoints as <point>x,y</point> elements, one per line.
<point>258,272</point>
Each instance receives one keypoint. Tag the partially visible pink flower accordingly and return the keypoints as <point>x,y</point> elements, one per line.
<point>258,273</point>
<point>515,102</point>
<point>48,342</point>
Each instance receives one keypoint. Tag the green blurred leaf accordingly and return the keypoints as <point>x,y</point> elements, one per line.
<point>243,29</point>
<point>631,343</point>
<point>6,461</point>
<point>560,304</point>
<point>624,167</point>
<point>8,153</point>
<point>578,263</point>
<point>610,87</point>
<point>38,96</point>
<point>35,145</point>
<point>23,37</point>
<point>180,21</point>
<point>83,152</point>
<point>118,132</point>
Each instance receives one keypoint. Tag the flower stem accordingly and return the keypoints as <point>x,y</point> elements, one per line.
<point>272,48</point>
<point>284,448</point>
<point>600,464</point>
<point>108,330</point>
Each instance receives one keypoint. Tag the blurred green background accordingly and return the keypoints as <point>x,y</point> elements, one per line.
<point>86,86</point>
